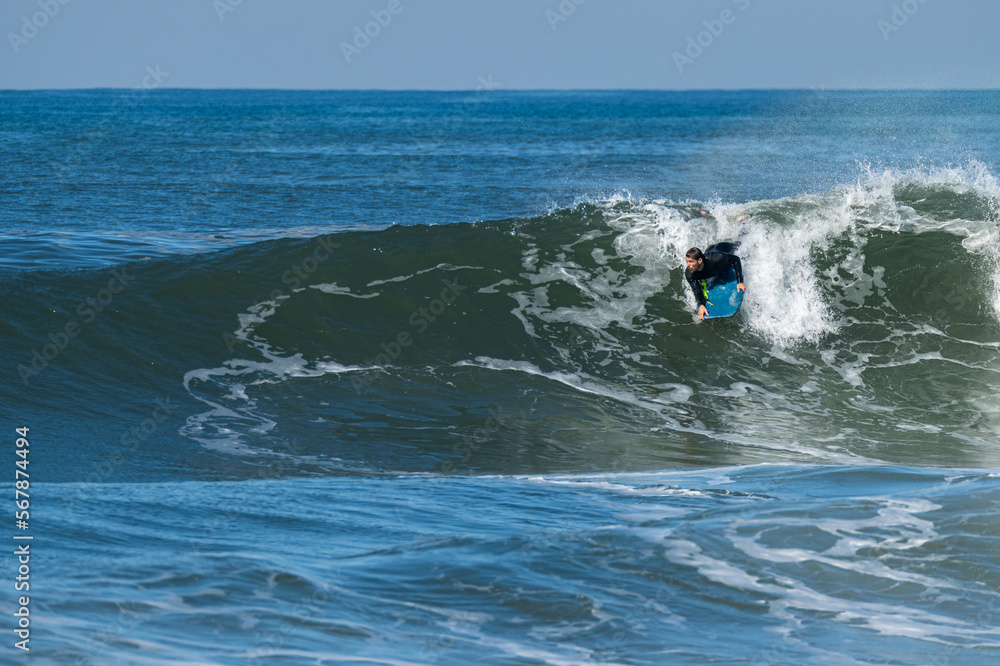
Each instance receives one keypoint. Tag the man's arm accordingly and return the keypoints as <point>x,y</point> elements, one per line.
<point>699,295</point>
<point>738,265</point>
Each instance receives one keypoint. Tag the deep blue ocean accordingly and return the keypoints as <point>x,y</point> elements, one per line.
<point>415,378</point>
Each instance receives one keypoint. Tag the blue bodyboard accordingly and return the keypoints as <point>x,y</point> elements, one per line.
<point>723,298</point>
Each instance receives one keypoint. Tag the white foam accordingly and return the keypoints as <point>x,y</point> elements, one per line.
<point>404,278</point>
<point>678,392</point>
<point>788,300</point>
<point>783,301</point>
<point>610,296</point>
<point>337,290</point>
<point>211,386</point>
<point>790,595</point>
<point>664,409</point>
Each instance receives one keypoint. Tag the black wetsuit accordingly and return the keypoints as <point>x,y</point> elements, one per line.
<point>717,262</point>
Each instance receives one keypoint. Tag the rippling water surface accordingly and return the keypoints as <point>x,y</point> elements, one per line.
<point>415,377</point>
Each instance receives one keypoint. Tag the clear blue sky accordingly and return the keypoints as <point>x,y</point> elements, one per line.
<point>507,44</point>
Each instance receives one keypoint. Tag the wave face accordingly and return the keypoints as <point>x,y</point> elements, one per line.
<point>564,342</point>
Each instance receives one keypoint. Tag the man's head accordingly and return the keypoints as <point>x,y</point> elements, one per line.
<point>694,259</point>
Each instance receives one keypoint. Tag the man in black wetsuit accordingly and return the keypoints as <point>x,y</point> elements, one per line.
<point>715,261</point>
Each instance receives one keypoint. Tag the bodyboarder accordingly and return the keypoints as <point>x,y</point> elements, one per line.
<point>716,260</point>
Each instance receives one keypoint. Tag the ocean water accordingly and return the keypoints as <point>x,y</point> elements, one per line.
<point>415,378</point>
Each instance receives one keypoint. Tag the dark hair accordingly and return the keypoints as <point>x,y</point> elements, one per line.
<point>694,253</point>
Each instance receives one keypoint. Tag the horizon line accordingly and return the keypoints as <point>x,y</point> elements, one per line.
<point>818,89</point>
